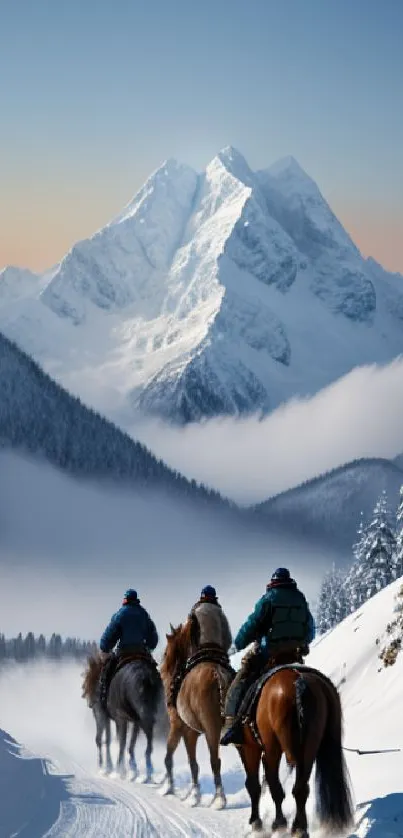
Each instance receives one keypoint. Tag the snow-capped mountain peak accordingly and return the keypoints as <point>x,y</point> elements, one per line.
<point>170,179</point>
<point>227,291</point>
<point>235,163</point>
<point>288,166</point>
<point>16,283</point>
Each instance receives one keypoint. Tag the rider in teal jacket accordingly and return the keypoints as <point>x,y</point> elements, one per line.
<point>280,621</point>
<point>282,614</point>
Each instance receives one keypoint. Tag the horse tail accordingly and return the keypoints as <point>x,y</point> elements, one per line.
<point>222,690</point>
<point>222,678</point>
<point>150,688</point>
<point>333,791</point>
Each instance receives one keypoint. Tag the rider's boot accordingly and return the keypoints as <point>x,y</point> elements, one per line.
<point>232,732</point>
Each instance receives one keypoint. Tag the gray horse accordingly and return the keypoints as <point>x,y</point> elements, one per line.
<point>135,697</point>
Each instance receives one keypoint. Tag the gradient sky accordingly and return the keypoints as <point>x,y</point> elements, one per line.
<point>95,94</point>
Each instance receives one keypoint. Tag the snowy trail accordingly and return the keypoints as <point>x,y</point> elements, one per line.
<point>116,808</point>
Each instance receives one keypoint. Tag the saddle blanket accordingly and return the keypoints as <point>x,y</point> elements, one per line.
<point>133,657</point>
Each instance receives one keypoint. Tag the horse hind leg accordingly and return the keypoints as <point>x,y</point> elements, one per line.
<point>109,764</point>
<point>251,755</point>
<point>174,737</point>
<point>98,739</point>
<point>271,765</point>
<point>297,756</point>
<point>122,736</point>
<point>300,792</point>
<point>132,758</point>
<point>213,741</point>
<point>103,724</point>
<point>149,733</point>
<point>190,737</point>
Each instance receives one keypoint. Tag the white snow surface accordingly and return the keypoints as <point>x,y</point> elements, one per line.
<point>62,795</point>
<point>228,291</point>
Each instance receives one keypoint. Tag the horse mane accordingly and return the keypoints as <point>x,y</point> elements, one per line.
<point>177,649</point>
<point>91,677</point>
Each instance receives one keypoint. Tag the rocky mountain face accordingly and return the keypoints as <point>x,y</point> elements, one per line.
<point>225,292</point>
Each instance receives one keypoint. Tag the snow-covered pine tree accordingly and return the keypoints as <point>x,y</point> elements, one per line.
<point>322,616</point>
<point>374,565</point>
<point>398,556</point>
<point>380,562</point>
<point>331,604</point>
<point>358,544</point>
<point>351,585</point>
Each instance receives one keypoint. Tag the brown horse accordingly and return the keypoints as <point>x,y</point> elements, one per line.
<point>299,714</point>
<point>199,710</point>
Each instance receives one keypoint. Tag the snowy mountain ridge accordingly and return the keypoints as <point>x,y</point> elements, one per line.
<point>328,507</point>
<point>222,292</point>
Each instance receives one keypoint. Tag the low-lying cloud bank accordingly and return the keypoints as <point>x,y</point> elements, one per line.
<point>69,549</point>
<point>248,460</point>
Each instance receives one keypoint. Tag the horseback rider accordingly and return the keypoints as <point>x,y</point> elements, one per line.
<point>210,627</point>
<point>132,631</point>
<point>281,623</point>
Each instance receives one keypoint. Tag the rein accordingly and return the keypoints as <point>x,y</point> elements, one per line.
<point>366,753</point>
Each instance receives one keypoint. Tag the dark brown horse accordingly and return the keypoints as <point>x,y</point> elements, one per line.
<point>135,699</point>
<point>199,710</point>
<point>299,714</point>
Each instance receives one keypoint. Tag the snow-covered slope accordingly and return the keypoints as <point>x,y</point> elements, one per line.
<point>30,795</point>
<point>328,508</point>
<point>371,696</point>
<point>227,291</point>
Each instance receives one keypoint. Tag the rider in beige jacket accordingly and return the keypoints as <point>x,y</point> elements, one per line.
<point>210,627</point>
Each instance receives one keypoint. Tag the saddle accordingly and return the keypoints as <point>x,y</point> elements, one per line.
<point>211,653</point>
<point>133,656</point>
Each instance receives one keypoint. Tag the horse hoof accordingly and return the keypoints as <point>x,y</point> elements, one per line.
<point>194,798</point>
<point>257,826</point>
<point>279,824</point>
<point>132,775</point>
<point>168,790</point>
<point>219,801</point>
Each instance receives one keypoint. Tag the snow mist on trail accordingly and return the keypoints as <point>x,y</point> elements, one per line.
<point>250,459</point>
<point>69,550</point>
<point>41,706</point>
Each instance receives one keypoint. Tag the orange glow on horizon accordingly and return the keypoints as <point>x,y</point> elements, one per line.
<point>37,238</point>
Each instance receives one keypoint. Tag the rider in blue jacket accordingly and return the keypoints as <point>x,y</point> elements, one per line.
<point>280,623</point>
<point>131,630</point>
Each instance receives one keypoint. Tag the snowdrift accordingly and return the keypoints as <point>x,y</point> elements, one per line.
<point>30,796</point>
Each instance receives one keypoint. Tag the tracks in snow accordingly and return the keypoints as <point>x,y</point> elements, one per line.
<point>106,808</point>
